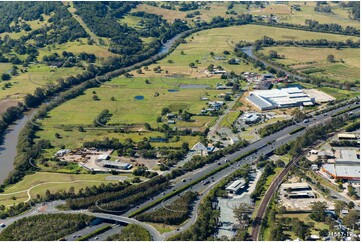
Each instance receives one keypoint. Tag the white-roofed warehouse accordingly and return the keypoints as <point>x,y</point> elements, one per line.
<point>279,98</point>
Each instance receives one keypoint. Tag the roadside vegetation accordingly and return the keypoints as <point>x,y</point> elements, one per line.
<point>174,214</point>
<point>45,227</point>
<point>132,232</point>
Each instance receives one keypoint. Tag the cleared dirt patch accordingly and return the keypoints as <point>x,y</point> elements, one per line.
<point>5,104</point>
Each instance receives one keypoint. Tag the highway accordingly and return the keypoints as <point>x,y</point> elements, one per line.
<point>263,147</point>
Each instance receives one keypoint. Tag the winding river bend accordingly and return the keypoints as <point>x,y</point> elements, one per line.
<point>8,147</point>
<point>8,150</point>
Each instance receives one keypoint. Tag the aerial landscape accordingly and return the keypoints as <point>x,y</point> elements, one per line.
<point>180,121</point>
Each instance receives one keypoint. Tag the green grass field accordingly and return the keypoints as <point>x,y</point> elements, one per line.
<point>82,110</point>
<point>36,76</point>
<point>42,181</point>
<point>339,16</point>
<point>345,68</point>
<point>229,119</point>
<point>200,44</point>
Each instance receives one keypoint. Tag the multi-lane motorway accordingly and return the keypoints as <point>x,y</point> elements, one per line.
<point>262,147</point>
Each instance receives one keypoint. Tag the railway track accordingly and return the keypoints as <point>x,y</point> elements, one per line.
<point>256,226</point>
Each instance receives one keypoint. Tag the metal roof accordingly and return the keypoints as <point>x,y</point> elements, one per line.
<point>237,184</point>
<point>343,170</point>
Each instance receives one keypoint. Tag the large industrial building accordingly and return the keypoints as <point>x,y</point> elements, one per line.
<point>279,98</point>
<point>347,167</point>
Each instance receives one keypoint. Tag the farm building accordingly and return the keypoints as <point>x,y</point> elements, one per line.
<point>62,152</point>
<point>279,98</point>
<point>103,157</point>
<point>116,165</point>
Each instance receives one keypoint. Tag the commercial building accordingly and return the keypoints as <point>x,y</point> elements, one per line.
<point>347,157</point>
<point>346,136</point>
<point>343,171</point>
<point>279,98</point>
<point>250,118</point>
<point>297,190</point>
<point>236,186</point>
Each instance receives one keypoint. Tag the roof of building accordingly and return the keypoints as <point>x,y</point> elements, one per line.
<point>346,136</point>
<point>279,97</point>
<point>296,185</point>
<point>103,157</point>
<point>252,117</point>
<point>348,156</point>
<point>342,170</point>
<point>115,163</point>
<point>199,146</point>
<point>237,184</point>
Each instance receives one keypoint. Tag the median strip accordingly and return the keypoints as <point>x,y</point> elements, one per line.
<point>297,130</point>
<point>95,232</point>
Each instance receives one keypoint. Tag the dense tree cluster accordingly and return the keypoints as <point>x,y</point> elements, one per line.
<point>45,227</point>
<point>274,128</point>
<point>124,197</point>
<point>132,232</point>
<point>175,214</point>
<point>268,170</point>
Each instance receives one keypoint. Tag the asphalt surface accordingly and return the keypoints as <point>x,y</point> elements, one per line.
<point>263,147</point>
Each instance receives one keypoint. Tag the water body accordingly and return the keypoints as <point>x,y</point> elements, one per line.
<point>194,86</point>
<point>8,147</point>
<point>248,51</point>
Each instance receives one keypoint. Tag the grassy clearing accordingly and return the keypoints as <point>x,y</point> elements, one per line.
<point>346,67</point>
<point>70,180</point>
<point>305,218</point>
<point>163,228</point>
<point>199,45</point>
<point>77,47</point>
<point>36,76</point>
<point>339,16</point>
<point>229,119</point>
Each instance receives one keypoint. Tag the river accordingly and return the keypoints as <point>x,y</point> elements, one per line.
<point>8,149</point>
<point>8,146</point>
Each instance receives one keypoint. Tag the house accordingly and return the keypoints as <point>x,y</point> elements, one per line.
<point>171,115</point>
<point>219,58</point>
<point>199,147</point>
